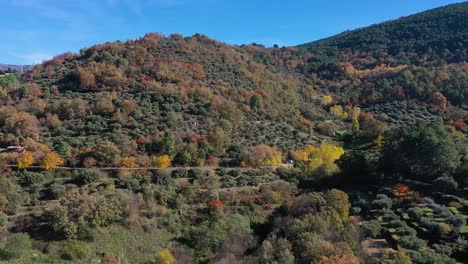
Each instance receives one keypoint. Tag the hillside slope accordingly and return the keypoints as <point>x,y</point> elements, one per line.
<point>210,99</point>
<point>442,31</point>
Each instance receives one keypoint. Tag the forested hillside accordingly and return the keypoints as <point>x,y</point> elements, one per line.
<point>181,149</point>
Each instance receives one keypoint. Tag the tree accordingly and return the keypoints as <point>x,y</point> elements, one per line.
<point>86,79</point>
<point>322,161</point>
<point>64,149</point>
<point>305,153</point>
<point>17,244</point>
<point>23,124</point>
<point>372,228</point>
<point>168,144</point>
<point>355,126</point>
<point>26,160</point>
<point>326,100</point>
<point>337,111</point>
<point>51,161</point>
<point>262,155</point>
<point>276,250</point>
<point>77,212</point>
<point>401,189</point>
<point>164,257</point>
<point>162,162</point>
<point>423,152</point>
<point>87,176</point>
<point>129,162</point>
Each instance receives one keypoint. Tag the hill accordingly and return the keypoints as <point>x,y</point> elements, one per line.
<point>214,97</point>
<point>440,31</point>
<point>172,149</point>
<point>18,68</point>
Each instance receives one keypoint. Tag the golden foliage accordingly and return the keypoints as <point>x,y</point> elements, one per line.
<point>337,111</point>
<point>164,257</point>
<point>26,160</point>
<point>129,162</point>
<point>380,141</point>
<point>162,162</point>
<point>326,100</point>
<point>322,160</point>
<point>51,161</point>
<point>304,154</point>
<point>355,125</point>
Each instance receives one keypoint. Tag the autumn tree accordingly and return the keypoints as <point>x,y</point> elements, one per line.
<point>162,162</point>
<point>355,128</point>
<point>337,111</point>
<point>129,162</point>
<point>262,155</point>
<point>164,257</point>
<point>321,161</point>
<point>26,160</point>
<point>86,79</point>
<point>51,161</point>
<point>23,124</point>
<point>326,100</point>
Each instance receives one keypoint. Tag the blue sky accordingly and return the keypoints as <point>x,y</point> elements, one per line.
<point>34,30</point>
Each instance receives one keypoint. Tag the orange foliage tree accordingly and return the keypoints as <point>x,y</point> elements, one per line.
<point>401,189</point>
<point>129,162</point>
<point>262,155</point>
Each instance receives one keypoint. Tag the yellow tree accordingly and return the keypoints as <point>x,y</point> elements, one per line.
<point>304,154</point>
<point>51,161</point>
<point>380,141</point>
<point>26,160</point>
<point>326,100</point>
<point>337,111</point>
<point>162,162</point>
<point>164,257</point>
<point>323,161</point>
<point>355,125</point>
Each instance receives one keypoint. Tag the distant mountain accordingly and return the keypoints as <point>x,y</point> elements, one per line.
<point>20,68</point>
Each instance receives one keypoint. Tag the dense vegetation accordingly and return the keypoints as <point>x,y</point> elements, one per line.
<point>178,150</point>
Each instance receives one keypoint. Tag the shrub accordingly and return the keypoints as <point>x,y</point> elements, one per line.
<point>442,249</point>
<point>411,242</point>
<point>76,250</point>
<point>3,219</point>
<point>164,257</point>
<point>445,184</point>
<point>30,178</point>
<point>56,191</point>
<point>17,244</point>
<point>87,177</point>
<point>383,201</point>
<point>179,173</point>
<point>372,228</point>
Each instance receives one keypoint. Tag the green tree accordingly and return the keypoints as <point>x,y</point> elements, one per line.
<point>423,151</point>
<point>17,244</point>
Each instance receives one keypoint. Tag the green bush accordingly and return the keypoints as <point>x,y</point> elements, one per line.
<point>372,228</point>
<point>412,242</point>
<point>76,250</point>
<point>56,191</point>
<point>17,244</point>
<point>87,177</point>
